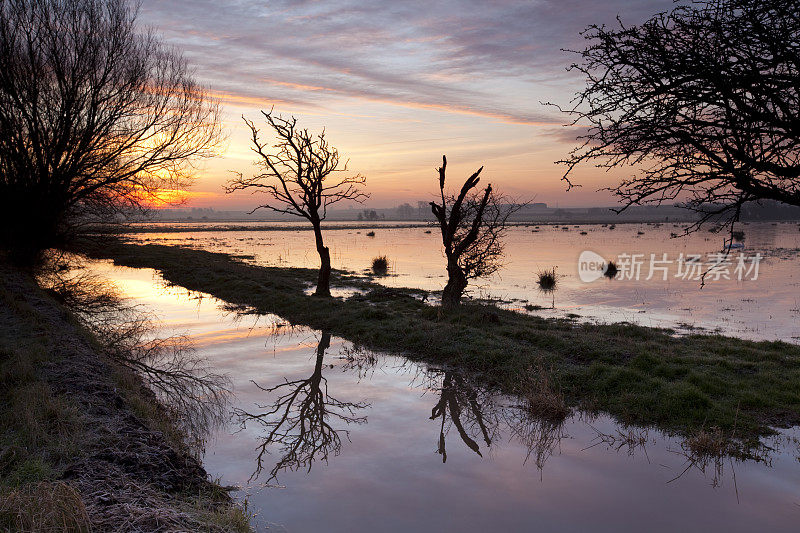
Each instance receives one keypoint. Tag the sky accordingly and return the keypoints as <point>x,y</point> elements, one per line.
<point>397,84</point>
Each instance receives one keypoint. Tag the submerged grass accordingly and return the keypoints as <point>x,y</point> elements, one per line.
<point>640,375</point>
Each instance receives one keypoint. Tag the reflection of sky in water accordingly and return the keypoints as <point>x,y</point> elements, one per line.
<point>766,308</point>
<point>389,476</point>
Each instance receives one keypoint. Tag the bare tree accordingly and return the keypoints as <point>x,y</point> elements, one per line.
<point>472,226</point>
<point>95,117</point>
<point>301,176</point>
<point>299,419</point>
<point>703,103</point>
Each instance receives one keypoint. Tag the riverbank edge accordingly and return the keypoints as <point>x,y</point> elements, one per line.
<point>85,445</point>
<point>694,385</point>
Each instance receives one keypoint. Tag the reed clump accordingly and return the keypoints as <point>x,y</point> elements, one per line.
<point>611,270</point>
<point>380,265</point>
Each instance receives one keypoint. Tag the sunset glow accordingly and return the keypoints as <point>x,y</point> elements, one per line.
<point>398,85</point>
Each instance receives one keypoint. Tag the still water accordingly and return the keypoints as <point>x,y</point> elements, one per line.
<point>385,424</point>
<point>764,308</point>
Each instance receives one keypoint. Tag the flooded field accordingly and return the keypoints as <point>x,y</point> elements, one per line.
<point>658,284</point>
<point>369,442</point>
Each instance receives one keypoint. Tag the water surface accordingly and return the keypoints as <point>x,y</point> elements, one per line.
<point>504,471</point>
<point>766,308</point>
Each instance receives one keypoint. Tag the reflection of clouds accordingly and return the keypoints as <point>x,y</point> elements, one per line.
<point>390,472</point>
<point>493,59</point>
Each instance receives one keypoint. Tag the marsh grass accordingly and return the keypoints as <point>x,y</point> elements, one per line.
<point>542,400</point>
<point>380,265</point>
<point>611,270</point>
<point>43,506</point>
<point>547,281</point>
<point>40,432</point>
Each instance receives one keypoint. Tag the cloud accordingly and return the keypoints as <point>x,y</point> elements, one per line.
<point>491,59</point>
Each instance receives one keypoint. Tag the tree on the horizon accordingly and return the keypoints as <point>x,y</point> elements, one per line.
<point>702,103</point>
<point>301,173</point>
<point>472,225</point>
<point>405,211</point>
<point>96,118</point>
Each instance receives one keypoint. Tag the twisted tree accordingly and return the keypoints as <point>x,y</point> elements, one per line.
<point>472,225</point>
<point>300,174</point>
<point>96,118</point>
<point>702,103</point>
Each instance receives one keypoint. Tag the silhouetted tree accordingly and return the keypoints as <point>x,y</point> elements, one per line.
<point>300,173</point>
<point>299,419</point>
<point>703,102</point>
<point>95,118</point>
<point>472,225</point>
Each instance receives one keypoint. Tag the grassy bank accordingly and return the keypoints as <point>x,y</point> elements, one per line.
<point>687,385</point>
<point>84,446</point>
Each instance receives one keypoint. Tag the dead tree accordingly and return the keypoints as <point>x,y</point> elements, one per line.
<point>300,174</point>
<point>298,421</point>
<point>701,104</point>
<point>472,225</point>
<point>96,118</point>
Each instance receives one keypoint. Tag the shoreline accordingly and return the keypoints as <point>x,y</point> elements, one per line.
<point>182,226</point>
<point>85,444</point>
<point>644,376</point>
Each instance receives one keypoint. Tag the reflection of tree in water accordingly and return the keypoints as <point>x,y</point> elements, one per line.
<point>478,413</point>
<point>194,396</point>
<point>300,420</point>
<point>541,436</point>
<point>468,408</point>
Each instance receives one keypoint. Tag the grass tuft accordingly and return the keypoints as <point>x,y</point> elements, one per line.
<point>380,265</point>
<point>611,270</point>
<point>43,506</point>
<point>547,280</point>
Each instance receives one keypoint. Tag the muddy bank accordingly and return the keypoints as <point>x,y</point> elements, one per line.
<point>79,425</point>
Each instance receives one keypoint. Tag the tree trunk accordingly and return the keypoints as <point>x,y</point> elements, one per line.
<point>456,284</point>
<point>324,279</point>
